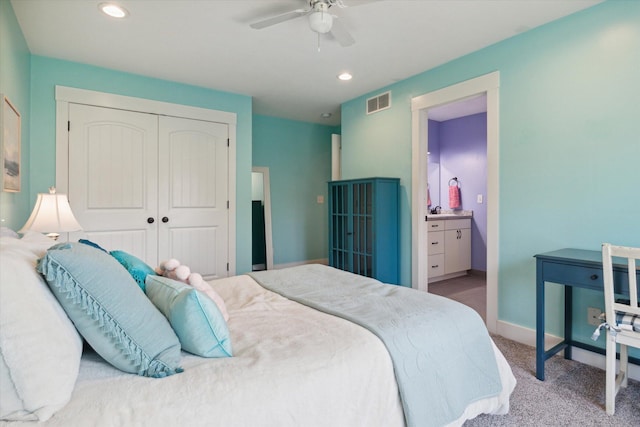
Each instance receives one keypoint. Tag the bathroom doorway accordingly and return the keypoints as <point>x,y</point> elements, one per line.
<point>458,150</point>
<point>488,85</point>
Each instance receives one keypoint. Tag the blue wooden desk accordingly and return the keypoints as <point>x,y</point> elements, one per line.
<point>571,268</point>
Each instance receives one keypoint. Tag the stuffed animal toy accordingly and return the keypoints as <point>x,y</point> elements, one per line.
<point>172,269</point>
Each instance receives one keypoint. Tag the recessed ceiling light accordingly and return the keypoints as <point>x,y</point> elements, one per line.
<point>345,76</point>
<point>325,115</point>
<point>113,10</point>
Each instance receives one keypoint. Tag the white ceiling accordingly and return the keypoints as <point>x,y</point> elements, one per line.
<point>453,110</point>
<point>209,43</point>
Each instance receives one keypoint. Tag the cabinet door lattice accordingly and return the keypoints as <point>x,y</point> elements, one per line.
<point>364,227</point>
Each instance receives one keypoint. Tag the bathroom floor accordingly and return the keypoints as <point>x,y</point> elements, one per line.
<point>470,290</point>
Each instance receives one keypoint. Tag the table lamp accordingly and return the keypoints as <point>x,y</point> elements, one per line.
<point>51,214</point>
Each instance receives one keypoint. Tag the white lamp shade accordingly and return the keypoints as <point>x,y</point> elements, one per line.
<point>321,22</point>
<point>51,214</point>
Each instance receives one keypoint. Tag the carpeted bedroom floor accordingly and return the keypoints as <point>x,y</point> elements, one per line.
<point>572,394</point>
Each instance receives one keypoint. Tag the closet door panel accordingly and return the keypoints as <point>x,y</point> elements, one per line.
<point>193,194</point>
<point>113,178</point>
<point>198,245</point>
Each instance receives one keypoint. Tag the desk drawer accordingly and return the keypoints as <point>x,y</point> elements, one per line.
<point>573,275</point>
<point>586,277</point>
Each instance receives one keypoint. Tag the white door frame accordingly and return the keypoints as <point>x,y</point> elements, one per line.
<point>489,84</point>
<point>266,191</point>
<point>65,95</point>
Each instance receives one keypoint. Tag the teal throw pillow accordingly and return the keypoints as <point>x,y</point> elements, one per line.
<point>195,318</point>
<point>137,268</point>
<point>110,311</point>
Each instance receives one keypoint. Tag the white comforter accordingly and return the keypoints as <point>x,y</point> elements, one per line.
<point>292,366</point>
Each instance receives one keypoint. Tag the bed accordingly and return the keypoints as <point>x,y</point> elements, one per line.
<point>297,359</point>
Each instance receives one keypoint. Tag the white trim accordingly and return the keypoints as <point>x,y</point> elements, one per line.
<point>527,336</point>
<point>524,335</point>
<point>336,157</point>
<point>232,197</point>
<point>489,84</point>
<point>268,232</point>
<point>67,95</point>
<point>323,261</point>
<point>419,172</point>
<point>121,102</point>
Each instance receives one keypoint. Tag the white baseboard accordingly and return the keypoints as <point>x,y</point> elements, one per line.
<point>324,261</point>
<point>528,336</point>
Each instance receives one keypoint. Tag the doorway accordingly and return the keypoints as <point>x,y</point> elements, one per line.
<point>489,85</point>
<point>458,147</point>
<point>262,240</point>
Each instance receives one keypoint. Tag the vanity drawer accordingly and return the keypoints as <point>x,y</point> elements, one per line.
<point>457,224</point>
<point>435,225</point>
<point>436,265</point>
<point>435,241</point>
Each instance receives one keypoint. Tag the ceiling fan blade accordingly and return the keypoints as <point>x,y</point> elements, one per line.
<point>351,3</point>
<point>279,18</point>
<point>340,33</point>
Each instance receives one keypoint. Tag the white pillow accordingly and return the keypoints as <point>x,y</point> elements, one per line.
<point>40,348</point>
<point>7,232</point>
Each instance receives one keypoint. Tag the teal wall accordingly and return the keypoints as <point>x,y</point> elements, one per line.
<point>569,146</point>
<point>46,73</point>
<point>15,66</point>
<point>298,155</point>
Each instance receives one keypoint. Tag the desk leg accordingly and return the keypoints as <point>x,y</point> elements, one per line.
<point>539,324</point>
<point>568,319</point>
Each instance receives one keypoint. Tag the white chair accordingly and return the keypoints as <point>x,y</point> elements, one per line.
<point>622,319</point>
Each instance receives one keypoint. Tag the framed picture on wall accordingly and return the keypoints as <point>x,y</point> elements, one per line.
<point>10,144</point>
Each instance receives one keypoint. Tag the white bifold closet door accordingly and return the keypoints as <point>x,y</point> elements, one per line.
<point>153,186</point>
<point>193,194</point>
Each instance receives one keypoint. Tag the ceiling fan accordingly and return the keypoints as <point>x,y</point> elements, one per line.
<point>320,20</point>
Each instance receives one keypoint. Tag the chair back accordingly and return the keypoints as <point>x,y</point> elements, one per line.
<point>630,257</point>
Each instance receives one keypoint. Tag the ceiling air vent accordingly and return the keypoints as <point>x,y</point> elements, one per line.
<point>380,102</point>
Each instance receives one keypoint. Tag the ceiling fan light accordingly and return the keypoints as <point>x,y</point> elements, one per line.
<point>321,22</point>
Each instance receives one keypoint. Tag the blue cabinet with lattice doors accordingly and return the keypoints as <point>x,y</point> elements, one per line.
<point>364,227</point>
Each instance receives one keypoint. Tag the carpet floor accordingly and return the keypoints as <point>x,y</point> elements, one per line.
<point>572,395</point>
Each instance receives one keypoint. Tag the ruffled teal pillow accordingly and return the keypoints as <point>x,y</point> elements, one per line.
<point>110,311</point>
<point>194,317</point>
<point>137,268</point>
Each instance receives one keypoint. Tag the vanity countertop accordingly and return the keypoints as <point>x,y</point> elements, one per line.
<point>444,215</point>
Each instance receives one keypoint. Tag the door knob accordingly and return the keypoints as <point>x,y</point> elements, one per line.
<point>165,219</point>
<point>150,220</point>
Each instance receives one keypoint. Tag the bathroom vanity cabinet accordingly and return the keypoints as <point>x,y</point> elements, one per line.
<point>449,251</point>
